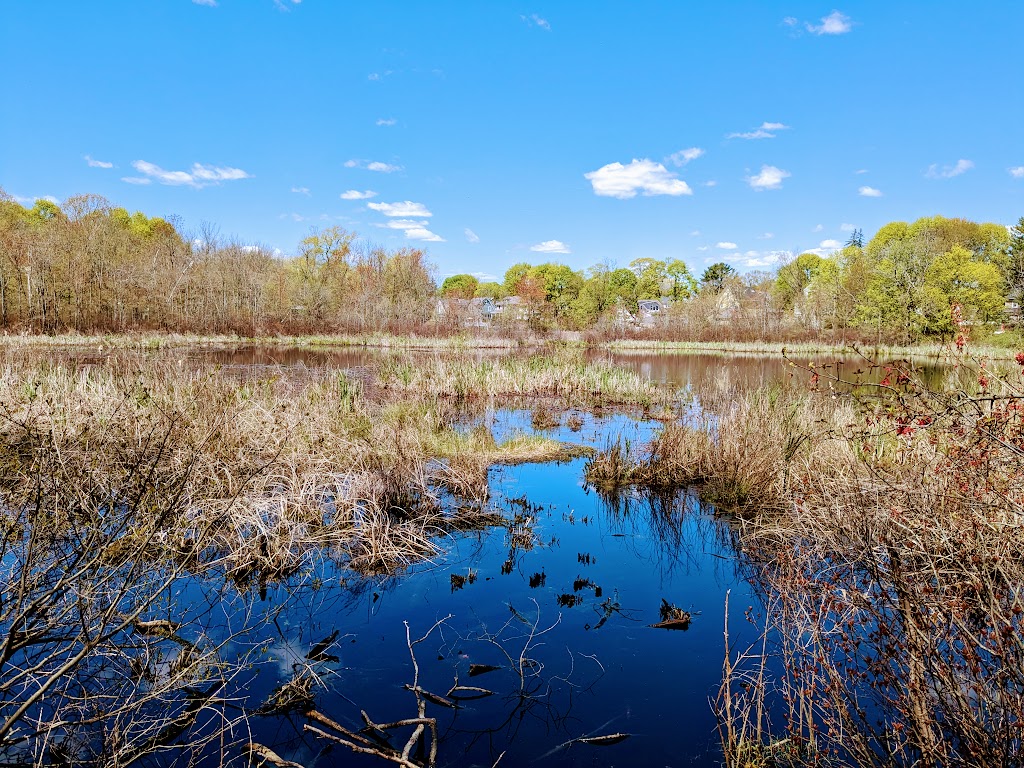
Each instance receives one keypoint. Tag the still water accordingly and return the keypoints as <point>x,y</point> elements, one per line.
<point>567,597</point>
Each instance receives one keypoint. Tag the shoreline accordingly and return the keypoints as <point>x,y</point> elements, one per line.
<point>157,341</point>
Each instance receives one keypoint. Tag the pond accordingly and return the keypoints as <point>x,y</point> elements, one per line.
<point>562,604</point>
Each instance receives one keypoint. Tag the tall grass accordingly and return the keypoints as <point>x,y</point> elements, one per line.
<point>885,528</point>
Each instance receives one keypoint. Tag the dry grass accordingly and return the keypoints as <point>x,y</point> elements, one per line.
<point>739,451</point>
<point>262,471</point>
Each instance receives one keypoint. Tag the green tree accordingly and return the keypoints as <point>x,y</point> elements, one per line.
<point>714,277</point>
<point>957,277</point>
<point>650,274</point>
<point>1015,262</point>
<point>459,287</point>
<point>682,283</point>
<point>513,275</point>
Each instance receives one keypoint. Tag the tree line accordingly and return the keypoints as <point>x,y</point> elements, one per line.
<point>87,265</point>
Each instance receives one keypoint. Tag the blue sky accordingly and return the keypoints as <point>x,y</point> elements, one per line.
<point>496,132</point>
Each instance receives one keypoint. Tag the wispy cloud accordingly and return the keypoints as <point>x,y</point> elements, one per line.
<point>847,227</point>
<point>835,23</point>
<point>643,176</point>
<point>301,191</point>
<point>770,177</point>
<point>471,236</point>
<point>355,194</point>
<point>404,208</point>
<point>818,228</point>
<point>97,163</point>
<point>869,192</point>
<point>765,131</point>
<point>948,171</point>
<point>533,20</point>
<point>281,5</point>
<point>197,176</point>
<point>683,156</point>
<point>761,259</point>
<point>726,246</point>
<point>485,277</point>
<point>766,236</point>
<point>551,246</point>
<point>373,165</point>
<point>1018,172</point>
<point>210,3</point>
<point>387,121</point>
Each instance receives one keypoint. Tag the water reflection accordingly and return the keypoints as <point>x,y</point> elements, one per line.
<point>566,669</point>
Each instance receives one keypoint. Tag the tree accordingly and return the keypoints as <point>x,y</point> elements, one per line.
<point>1015,262</point>
<point>650,275</point>
<point>513,275</point>
<point>459,287</point>
<point>856,239</point>
<point>957,277</point>
<point>714,277</point>
<point>682,283</point>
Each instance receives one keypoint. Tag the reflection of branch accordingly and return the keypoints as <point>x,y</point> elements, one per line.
<point>359,743</point>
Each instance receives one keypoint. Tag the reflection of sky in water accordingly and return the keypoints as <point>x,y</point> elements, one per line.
<point>621,676</point>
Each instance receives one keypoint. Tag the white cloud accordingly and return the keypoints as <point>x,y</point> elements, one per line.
<point>766,236</point>
<point>847,227</point>
<point>414,230</point>
<point>387,121</point>
<point>293,216</point>
<point>471,236</point>
<point>374,165</point>
<point>791,21</point>
<point>485,277</point>
<point>695,233</point>
<point>726,246</point>
<point>835,23</point>
<point>97,163</point>
<point>283,6</point>
<point>422,233</point>
<point>825,248</point>
<point>210,3</point>
<point>405,208</point>
<point>198,176</point>
<point>859,171</point>
<point>646,176</point>
<point>770,177</point>
<point>355,194</point>
<point>949,171</point>
<point>301,191</point>
<point>1018,172</point>
<point>818,228</point>
<point>550,246</point>
<point>760,260</point>
<point>703,248</point>
<point>711,183</point>
<point>136,180</point>
<point>683,156</point>
<point>766,131</point>
<point>534,20</point>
